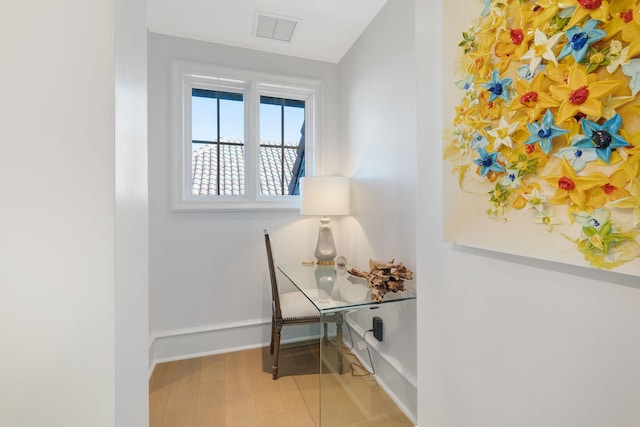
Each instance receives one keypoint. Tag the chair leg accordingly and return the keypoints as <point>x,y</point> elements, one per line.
<point>276,351</point>
<point>273,332</point>
<point>339,321</point>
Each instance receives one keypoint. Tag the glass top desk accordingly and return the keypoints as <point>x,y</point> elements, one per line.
<point>334,292</point>
<point>332,289</point>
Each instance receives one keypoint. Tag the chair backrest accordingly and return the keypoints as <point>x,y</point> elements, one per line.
<point>275,296</point>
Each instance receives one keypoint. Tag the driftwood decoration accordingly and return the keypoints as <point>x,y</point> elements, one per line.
<point>383,277</point>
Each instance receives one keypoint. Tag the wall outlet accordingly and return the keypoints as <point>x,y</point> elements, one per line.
<point>377,328</point>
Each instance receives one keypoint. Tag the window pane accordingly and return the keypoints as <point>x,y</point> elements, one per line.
<point>293,124</point>
<point>270,171</point>
<point>203,163</point>
<point>270,122</point>
<point>232,120</point>
<point>231,170</point>
<point>217,165</point>
<point>272,180</point>
<point>204,112</point>
<point>282,145</point>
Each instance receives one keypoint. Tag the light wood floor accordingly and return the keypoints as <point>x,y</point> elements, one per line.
<point>236,389</point>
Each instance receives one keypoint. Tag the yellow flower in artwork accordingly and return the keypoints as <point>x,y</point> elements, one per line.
<point>532,98</point>
<point>612,103</point>
<point>632,201</point>
<point>462,111</point>
<point>612,190</point>
<point>596,9</point>
<point>624,20</point>
<point>571,187</point>
<point>544,11</point>
<point>557,73</point>
<point>480,64</point>
<point>579,95</point>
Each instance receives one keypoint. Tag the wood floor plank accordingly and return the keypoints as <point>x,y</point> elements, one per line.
<point>266,393</point>
<point>279,420</point>
<point>182,399</point>
<point>210,408</point>
<point>159,388</point>
<point>240,405</point>
<point>308,386</point>
<point>337,408</point>
<point>297,406</point>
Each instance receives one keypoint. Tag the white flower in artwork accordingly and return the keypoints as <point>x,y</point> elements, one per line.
<point>542,48</point>
<point>547,218</point>
<point>535,200</point>
<point>617,55</point>
<point>632,69</point>
<point>502,133</point>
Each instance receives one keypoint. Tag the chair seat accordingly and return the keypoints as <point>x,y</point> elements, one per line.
<point>295,305</point>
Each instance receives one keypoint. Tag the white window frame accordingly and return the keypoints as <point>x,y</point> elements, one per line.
<point>188,75</point>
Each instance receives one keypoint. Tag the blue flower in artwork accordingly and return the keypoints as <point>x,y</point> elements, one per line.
<point>596,219</point>
<point>486,7</point>
<point>604,138</point>
<point>632,69</point>
<point>488,162</point>
<point>579,40</point>
<point>578,157</point>
<point>525,73</point>
<point>544,132</point>
<point>466,84</point>
<point>511,179</point>
<point>497,86</point>
<point>478,141</point>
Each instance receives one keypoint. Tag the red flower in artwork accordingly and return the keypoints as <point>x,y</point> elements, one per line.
<point>627,16</point>
<point>590,4</point>
<point>579,96</point>
<point>517,36</point>
<point>608,188</point>
<point>566,183</point>
<point>529,99</point>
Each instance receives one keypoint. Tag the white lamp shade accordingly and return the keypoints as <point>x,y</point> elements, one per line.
<point>324,195</point>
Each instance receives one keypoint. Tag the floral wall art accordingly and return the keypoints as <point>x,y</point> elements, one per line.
<point>542,114</point>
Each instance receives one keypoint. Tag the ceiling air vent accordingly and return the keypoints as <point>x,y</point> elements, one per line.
<point>274,27</point>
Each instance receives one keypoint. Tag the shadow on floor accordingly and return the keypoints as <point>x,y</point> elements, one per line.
<point>300,358</point>
<point>295,359</point>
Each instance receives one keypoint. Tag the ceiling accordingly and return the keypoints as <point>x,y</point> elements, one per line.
<point>325,30</point>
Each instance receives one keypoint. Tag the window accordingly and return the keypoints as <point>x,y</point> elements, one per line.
<point>217,144</point>
<point>241,142</point>
<point>281,145</point>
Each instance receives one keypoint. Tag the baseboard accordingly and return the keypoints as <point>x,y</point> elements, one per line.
<point>187,343</point>
<point>400,394</point>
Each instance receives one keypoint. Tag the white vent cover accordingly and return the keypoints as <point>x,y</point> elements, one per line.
<point>274,27</point>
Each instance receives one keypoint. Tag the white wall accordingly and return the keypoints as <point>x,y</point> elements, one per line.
<point>57,219</point>
<point>505,340</point>
<point>208,272</point>
<point>132,224</point>
<point>378,139</point>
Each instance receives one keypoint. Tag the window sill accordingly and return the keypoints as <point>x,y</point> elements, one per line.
<point>230,206</point>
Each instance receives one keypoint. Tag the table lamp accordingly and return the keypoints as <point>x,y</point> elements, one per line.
<point>324,195</point>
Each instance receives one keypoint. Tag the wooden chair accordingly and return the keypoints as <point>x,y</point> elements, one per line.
<point>293,308</point>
